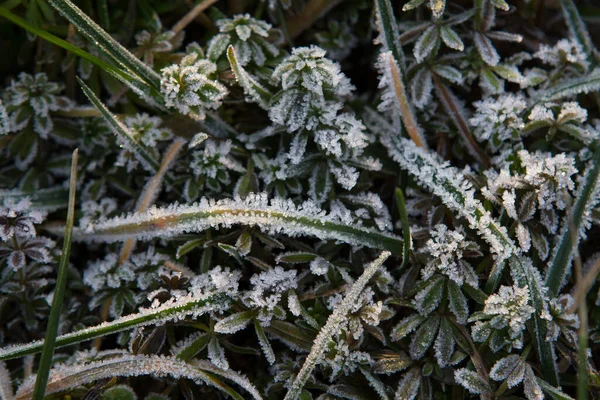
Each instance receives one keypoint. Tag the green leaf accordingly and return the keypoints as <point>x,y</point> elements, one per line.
<point>406,326</point>
<point>189,246</point>
<point>423,337</point>
<point>401,206</point>
<point>332,326</point>
<point>294,336</point>
<point>296,257</point>
<point>451,38</point>
<point>391,362</point>
<point>457,302</point>
<point>264,342</point>
<point>59,290</point>
<point>194,347</point>
<point>572,87</point>
<point>49,199</point>
<point>119,392</point>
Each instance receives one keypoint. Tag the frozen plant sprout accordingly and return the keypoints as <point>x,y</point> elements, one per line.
<point>359,199</point>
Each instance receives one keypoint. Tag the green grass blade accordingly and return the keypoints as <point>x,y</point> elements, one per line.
<point>134,82</point>
<point>189,305</point>
<point>389,34</point>
<point>336,318</point>
<point>553,392</point>
<point>577,28</point>
<point>273,216</point>
<point>573,226</point>
<point>96,35</point>
<point>401,206</point>
<point>59,290</point>
<point>126,137</point>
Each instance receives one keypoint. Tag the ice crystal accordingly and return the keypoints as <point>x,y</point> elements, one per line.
<point>563,53</point>
<point>447,249</point>
<point>189,86</point>
<point>248,36</point>
<point>33,97</point>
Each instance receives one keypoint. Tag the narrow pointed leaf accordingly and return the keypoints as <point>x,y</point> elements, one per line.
<point>252,88</point>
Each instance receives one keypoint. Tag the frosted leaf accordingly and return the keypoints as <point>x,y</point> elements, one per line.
<point>96,211</point>
<point>4,120</point>
<point>264,343</point>
<point>319,266</point>
<point>420,88</point>
<point>511,367</point>
<point>307,67</point>
<point>496,119</point>
<point>216,354</point>
<point>531,387</point>
<point>149,44</point>
<point>31,98</point>
<point>451,38</point>
<point>19,219</point>
<point>430,297</point>
<point>345,361</point>
<point>486,49</point>
<point>267,292</point>
<point>346,176</point>
<point>189,88</point>
<point>214,162</point>
<point>423,337</point>
<point>457,302</point>
<point>524,237</point>
<point>561,318</point>
<point>447,248</point>
<point>249,38</point>
<point>471,381</point>
<point>217,280</point>
<point>564,52</point>
<point>146,129</point>
<point>444,344</point>
<point>234,323</point>
<point>338,39</point>
<point>426,43</point>
<point>408,387</point>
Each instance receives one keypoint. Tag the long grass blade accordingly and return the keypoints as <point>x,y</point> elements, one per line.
<point>585,84</point>
<point>274,216</point>
<point>577,28</point>
<point>59,290</point>
<point>67,377</point>
<point>113,49</point>
<point>337,317</point>
<point>185,306</point>
<point>49,199</point>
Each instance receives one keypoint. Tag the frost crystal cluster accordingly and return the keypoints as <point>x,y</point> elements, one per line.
<point>299,199</point>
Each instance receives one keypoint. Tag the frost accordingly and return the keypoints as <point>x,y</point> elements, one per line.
<point>497,119</point>
<point>146,129</point>
<point>189,86</point>
<point>471,381</point>
<point>447,248</point>
<point>214,163</point>
<point>216,354</point>
<point>564,52</point>
<point>96,211</point>
<point>319,266</point>
<point>19,219</point>
<point>247,35</point>
<point>267,292</point>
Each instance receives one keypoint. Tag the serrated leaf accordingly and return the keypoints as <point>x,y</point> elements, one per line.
<point>457,302</point>
<point>444,343</point>
<point>216,354</point>
<point>426,43</point>
<point>471,381</point>
<point>264,343</point>
<point>486,49</point>
<point>406,326</point>
<point>408,387</point>
<point>252,88</point>
<point>430,297</point>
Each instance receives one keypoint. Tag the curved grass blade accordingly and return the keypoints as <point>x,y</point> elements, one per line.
<point>176,310</point>
<point>574,225</point>
<point>391,64</point>
<point>125,136</point>
<point>273,216</point>
<point>585,84</point>
<point>66,377</point>
<point>401,205</point>
<point>337,317</point>
<point>59,290</point>
<point>131,80</point>
<point>96,35</point>
<point>252,87</point>
<point>50,199</point>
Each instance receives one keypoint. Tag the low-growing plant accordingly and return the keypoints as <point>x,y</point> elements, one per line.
<point>299,199</point>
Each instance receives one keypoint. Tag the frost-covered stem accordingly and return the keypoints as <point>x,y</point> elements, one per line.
<point>59,289</point>
<point>151,191</point>
<point>454,111</point>
<point>6,391</point>
<point>408,117</point>
<point>574,226</point>
<point>332,326</point>
<point>582,355</point>
<point>191,15</point>
<point>71,376</point>
<point>278,216</point>
<point>168,312</point>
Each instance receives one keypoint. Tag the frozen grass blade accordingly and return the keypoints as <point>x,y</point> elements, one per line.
<point>455,112</point>
<point>585,84</point>
<point>391,64</point>
<point>574,226</point>
<point>6,390</point>
<point>124,135</point>
<point>337,317</point>
<point>59,290</point>
<point>113,49</point>
<point>174,311</point>
<point>252,88</point>
<point>131,80</point>
<point>66,377</point>
<point>401,206</point>
<point>274,216</point>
